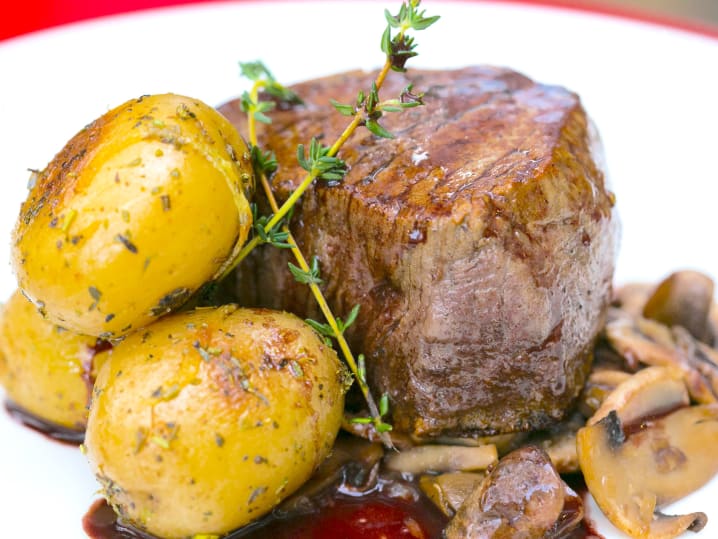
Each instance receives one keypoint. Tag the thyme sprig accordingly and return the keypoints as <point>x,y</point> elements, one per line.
<point>373,109</point>
<point>263,80</point>
<point>264,165</point>
<point>321,162</point>
<point>394,48</point>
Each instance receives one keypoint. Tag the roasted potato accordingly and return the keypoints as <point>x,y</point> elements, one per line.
<point>209,418</point>
<point>46,369</point>
<point>138,210</point>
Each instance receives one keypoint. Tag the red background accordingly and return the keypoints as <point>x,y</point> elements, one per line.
<point>19,17</point>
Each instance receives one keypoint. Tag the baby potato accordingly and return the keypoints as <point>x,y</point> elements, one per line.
<point>209,418</point>
<point>46,369</point>
<point>136,212</point>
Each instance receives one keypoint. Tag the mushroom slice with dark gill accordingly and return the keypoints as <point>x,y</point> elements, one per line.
<point>683,299</point>
<point>650,392</point>
<point>522,497</point>
<point>633,473</point>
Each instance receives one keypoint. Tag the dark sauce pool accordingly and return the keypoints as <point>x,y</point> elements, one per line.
<point>369,516</point>
<point>46,428</point>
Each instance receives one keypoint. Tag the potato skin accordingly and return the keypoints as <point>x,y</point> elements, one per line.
<point>138,210</point>
<point>209,418</point>
<point>45,369</point>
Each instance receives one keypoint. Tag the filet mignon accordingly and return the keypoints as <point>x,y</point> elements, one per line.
<point>479,243</point>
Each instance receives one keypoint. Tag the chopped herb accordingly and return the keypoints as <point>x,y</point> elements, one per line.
<point>283,486</point>
<point>109,317</point>
<point>296,369</point>
<point>94,293</point>
<point>72,214</point>
<point>158,440</point>
<point>206,356</point>
<point>166,206</point>
<point>256,494</point>
<point>218,439</point>
<point>140,439</point>
<point>184,112</point>
<point>124,240</point>
<point>171,301</point>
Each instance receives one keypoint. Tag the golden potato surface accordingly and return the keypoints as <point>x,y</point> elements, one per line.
<point>46,369</point>
<point>138,210</point>
<point>207,419</point>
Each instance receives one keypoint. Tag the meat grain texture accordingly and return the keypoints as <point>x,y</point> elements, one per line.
<point>479,242</point>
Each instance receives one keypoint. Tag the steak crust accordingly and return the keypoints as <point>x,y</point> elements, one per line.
<point>479,243</point>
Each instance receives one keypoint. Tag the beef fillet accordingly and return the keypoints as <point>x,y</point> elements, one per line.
<point>479,243</point>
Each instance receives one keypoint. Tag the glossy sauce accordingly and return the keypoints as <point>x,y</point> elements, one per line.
<point>369,516</point>
<point>46,428</point>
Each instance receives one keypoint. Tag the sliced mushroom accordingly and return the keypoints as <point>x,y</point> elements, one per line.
<point>632,297</point>
<point>652,343</point>
<point>523,496</point>
<point>683,299</point>
<point>449,490</point>
<point>632,477</point>
<point>442,458</point>
<point>713,322</point>
<point>504,442</point>
<point>598,386</point>
<point>649,392</point>
<point>701,357</point>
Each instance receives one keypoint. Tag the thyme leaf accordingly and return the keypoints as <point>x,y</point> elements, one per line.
<point>344,110</point>
<point>263,163</point>
<point>319,163</point>
<point>307,277</point>
<point>257,72</point>
<point>342,325</point>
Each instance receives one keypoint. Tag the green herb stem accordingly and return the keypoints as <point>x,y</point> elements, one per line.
<point>280,212</point>
<point>316,291</point>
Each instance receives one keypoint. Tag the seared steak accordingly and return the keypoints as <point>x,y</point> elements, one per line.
<point>479,242</point>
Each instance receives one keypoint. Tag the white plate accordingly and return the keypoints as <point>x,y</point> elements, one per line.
<point>651,91</point>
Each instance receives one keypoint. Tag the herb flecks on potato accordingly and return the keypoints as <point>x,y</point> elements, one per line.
<point>102,242</point>
<point>210,418</point>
